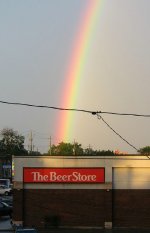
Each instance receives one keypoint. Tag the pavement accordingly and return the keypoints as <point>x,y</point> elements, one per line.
<point>5,224</point>
<point>73,230</point>
<point>94,231</point>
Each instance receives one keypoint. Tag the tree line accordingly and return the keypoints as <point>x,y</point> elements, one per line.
<point>75,148</point>
<point>12,143</point>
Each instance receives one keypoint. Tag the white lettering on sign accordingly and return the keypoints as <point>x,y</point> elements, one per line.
<point>78,177</point>
<point>59,178</point>
<point>38,177</point>
<point>75,176</point>
<point>54,177</point>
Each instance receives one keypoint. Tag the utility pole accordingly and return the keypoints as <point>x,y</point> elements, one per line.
<point>50,145</point>
<point>74,147</point>
<point>31,142</point>
<point>89,149</point>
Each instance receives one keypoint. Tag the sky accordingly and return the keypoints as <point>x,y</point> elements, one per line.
<point>36,45</point>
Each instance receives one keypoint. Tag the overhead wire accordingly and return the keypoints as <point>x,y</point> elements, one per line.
<point>101,118</point>
<point>46,106</point>
<point>74,109</point>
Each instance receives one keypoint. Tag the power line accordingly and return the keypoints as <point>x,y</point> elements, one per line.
<point>125,114</point>
<point>74,109</point>
<point>45,106</point>
<point>97,113</point>
<point>101,118</point>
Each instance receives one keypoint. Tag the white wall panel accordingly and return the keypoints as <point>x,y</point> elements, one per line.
<point>131,178</point>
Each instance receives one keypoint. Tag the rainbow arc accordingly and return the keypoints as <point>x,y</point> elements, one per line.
<point>76,66</point>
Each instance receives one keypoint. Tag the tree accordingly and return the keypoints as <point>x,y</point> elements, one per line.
<point>32,153</point>
<point>76,149</point>
<point>144,150</point>
<point>67,149</point>
<point>12,143</point>
<point>91,152</point>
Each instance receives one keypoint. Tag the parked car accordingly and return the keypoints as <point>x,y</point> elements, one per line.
<point>25,230</point>
<point>5,182</point>
<point>5,209</point>
<point>7,199</point>
<point>5,190</point>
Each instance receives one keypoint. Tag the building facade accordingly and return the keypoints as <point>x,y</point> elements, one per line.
<point>73,191</point>
<point>6,167</point>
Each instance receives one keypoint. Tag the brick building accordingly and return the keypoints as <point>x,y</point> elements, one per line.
<point>69,191</point>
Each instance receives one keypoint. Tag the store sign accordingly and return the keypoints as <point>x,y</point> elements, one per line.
<point>64,175</point>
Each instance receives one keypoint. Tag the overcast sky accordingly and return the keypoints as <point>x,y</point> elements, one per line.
<point>36,37</point>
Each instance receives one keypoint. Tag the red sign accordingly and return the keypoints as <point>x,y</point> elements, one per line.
<point>64,175</point>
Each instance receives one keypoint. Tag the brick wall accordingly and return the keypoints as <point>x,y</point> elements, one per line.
<point>17,204</point>
<point>131,208</point>
<point>48,208</point>
<point>65,208</point>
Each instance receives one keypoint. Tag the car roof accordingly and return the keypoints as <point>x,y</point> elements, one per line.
<point>26,230</point>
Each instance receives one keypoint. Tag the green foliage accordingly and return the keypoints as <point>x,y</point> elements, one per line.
<point>66,149</point>
<point>89,151</point>
<point>11,143</point>
<point>144,150</point>
<point>76,149</point>
<point>32,153</point>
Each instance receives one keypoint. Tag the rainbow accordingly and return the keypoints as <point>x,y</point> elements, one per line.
<point>77,66</point>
